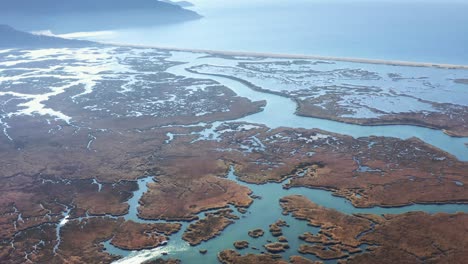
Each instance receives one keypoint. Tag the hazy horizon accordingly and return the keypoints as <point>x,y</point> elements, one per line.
<point>390,29</point>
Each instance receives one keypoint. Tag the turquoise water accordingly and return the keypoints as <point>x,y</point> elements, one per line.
<point>433,31</point>
<point>267,210</point>
<point>279,112</point>
<point>261,214</point>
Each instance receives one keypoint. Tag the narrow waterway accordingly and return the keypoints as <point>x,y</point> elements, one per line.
<point>263,212</point>
<point>278,112</point>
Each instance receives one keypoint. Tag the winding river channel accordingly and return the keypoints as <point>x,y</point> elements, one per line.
<point>278,112</point>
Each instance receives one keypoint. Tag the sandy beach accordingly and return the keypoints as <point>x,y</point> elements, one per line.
<point>302,56</point>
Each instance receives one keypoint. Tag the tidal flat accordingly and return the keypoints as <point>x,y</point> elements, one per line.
<point>127,155</point>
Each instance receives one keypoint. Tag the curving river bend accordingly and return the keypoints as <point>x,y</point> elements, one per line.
<point>278,112</point>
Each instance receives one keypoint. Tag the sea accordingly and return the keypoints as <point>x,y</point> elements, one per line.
<point>412,30</point>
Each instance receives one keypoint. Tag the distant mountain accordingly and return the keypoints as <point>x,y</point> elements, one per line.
<point>60,6</point>
<point>12,38</point>
<point>179,3</point>
<point>63,16</point>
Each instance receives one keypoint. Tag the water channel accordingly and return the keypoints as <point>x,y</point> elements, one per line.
<point>266,210</point>
<point>280,112</point>
<point>263,212</point>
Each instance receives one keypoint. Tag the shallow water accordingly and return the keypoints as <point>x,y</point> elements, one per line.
<point>267,210</point>
<point>279,112</point>
<point>261,214</point>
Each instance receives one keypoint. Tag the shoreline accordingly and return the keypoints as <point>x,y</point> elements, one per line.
<point>300,56</point>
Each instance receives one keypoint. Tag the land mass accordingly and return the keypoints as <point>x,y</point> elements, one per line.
<point>88,15</point>
<point>414,237</point>
<point>353,93</point>
<point>12,38</point>
<point>59,7</point>
<point>80,126</point>
<point>243,54</point>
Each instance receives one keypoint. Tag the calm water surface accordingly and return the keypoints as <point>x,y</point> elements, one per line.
<point>433,31</point>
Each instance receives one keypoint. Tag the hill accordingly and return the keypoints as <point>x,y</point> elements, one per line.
<point>12,38</point>
<point>60,6</point>
<point>90,15</point>
<point>179,3</point>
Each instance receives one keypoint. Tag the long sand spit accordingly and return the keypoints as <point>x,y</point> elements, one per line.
<point>301,56</point>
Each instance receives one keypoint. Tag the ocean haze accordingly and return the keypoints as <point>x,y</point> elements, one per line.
<point>432,31</point>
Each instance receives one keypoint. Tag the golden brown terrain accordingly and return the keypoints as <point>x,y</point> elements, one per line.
<point>89,168</point>
<point>414,237</point>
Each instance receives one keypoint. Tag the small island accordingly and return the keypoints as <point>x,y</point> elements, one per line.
<point>276,247</point>
<point>256,233</point>
<point>241,244</point>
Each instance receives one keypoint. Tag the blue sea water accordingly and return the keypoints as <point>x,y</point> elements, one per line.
<point>428,31</point>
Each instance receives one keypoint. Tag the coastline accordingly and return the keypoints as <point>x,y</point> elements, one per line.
<point>300,56</point>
